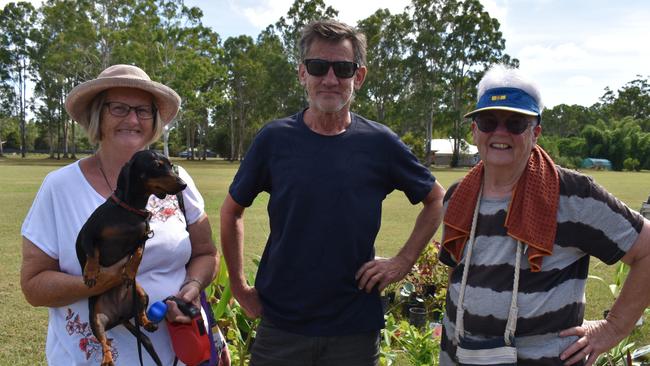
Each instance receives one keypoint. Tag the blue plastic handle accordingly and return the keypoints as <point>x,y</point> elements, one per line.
<point>157,311</point>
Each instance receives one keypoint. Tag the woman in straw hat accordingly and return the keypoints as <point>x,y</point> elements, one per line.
<point>518,235</point>
<point>122,111</point>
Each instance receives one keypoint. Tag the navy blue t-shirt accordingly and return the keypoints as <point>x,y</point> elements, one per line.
<point>324,208</point>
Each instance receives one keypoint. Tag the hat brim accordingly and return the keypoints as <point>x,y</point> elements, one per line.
<point>77,104</point>
<point>501,108</point>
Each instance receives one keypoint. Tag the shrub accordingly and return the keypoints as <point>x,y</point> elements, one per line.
<point>631,164</point>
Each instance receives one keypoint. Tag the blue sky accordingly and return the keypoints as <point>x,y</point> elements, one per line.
<point>572,48</point>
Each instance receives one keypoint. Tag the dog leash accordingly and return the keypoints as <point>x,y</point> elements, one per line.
<point>147,215</point>
<point>215,351</point>
<point>137,326</point>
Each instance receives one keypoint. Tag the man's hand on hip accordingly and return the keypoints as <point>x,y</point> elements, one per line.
<point>381,272</point>
<point>249,300</point>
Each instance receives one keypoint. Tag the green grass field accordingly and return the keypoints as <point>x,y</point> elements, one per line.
<point>22,339</point>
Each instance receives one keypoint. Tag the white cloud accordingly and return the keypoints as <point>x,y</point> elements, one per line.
<point>497,9</point>
<point>579,80</point>
<point>262,13</point>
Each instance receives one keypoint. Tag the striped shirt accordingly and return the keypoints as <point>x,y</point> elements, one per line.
<point>590,222</point>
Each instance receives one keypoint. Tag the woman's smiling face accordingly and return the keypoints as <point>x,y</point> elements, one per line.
<point>502,148</point>
<point>129,132</point>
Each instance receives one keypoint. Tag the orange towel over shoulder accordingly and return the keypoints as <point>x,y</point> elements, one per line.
<point>532,213</point>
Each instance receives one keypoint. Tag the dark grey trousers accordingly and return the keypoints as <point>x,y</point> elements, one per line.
<point>275,347</point>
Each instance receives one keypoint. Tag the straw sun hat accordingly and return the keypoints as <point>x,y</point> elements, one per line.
<point>121,76</point>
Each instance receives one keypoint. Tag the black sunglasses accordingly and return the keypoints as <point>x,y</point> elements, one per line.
<point>342,69</point>
<point>514,125</point>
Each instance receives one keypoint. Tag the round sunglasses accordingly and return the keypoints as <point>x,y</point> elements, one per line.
<point>514,125</point>
<point>342,69</point>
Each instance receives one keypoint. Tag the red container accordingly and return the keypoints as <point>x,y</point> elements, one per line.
<point>190,340</point>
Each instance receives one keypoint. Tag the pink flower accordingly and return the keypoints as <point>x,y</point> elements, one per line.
<point>83,344</point>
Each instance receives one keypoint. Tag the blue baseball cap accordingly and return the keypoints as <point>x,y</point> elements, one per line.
<point>507,99</point>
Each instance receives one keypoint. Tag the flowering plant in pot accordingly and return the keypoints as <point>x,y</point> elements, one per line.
<point>429,278</point>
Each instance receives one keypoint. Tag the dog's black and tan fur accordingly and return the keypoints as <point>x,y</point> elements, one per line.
<point>117,229</point>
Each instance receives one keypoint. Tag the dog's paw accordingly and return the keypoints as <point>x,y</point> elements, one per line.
<point>151,326</point>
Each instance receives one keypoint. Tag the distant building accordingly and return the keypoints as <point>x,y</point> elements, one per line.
<point>595,163</point>
<point>443,149</point>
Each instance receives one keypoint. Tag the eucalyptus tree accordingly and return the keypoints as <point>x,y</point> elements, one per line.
<point>111,20</point>
<point>282,93</point>
<point>9,124</point>
<point>473,42</point>
<point>17,22</point>
<point>188,57</point>
<point>387,81</point>
<point>426,62</point>
<point>66,56</point>
<point>453,41</point>
<point>633,100</point>
<point>7,101</point>
<point>242,89</point>
<point>199,76</point>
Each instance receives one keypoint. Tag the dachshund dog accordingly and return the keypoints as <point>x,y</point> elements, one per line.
<point>119,228</point>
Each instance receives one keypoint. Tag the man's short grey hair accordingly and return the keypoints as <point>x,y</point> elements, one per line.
<point>333,31</point>
<point>500,76</point>
<point>95,129</point>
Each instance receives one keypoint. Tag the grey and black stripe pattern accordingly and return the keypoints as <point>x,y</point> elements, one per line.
<point>590,222</point>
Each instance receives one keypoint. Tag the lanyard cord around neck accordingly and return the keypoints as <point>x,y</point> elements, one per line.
<point>511,325</point>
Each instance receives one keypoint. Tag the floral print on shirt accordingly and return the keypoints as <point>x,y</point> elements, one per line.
<point>165,209</point>
<point>88,344</point>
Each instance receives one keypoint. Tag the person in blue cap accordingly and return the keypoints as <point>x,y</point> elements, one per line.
<point>518,234</point>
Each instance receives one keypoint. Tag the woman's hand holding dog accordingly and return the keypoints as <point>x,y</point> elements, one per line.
<point>109,277</point>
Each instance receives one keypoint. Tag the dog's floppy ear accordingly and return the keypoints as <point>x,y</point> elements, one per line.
<point>124,180</point>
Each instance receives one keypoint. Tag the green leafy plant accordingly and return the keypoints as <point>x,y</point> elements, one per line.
<point>419,346</point>
<point>619,355</point>
<point>620,275</point>
<point>389,348</point>
<point>425,286</point>
<point>238,329</point>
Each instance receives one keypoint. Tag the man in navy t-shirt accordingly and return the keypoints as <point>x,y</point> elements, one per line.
<point>327,171</point>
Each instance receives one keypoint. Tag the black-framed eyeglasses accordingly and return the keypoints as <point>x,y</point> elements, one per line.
<point>342,69</point>
<point>119,109</point>
<point>515,125</point>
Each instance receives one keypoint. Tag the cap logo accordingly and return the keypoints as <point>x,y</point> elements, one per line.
<point>494,98</point>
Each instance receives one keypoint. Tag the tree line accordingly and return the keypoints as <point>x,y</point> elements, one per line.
<point>423,66</point>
